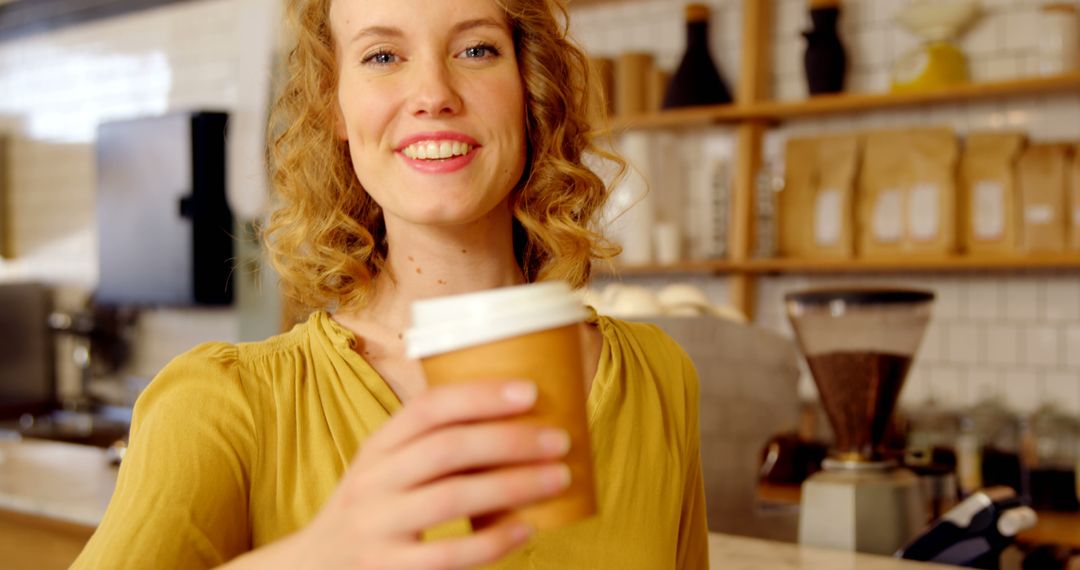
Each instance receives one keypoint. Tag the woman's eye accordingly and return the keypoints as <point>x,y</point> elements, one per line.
<point>480,51</point>
<point>381,57</point>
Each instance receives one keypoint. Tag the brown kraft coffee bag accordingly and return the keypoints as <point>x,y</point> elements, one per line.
<point>817,204</point>
<point>989,202</point>
<point>1042,175</point>
<point>907,193</point>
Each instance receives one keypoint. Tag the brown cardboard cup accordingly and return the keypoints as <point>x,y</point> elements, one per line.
<point>531,332</point>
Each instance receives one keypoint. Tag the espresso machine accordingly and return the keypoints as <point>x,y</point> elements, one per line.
<point>859,344</point>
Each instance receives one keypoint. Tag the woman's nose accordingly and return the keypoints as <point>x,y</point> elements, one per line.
<point>434,93</point>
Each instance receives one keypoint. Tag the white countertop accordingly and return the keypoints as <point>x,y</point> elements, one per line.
<point>73,483</point>
<point>63,481</point>
<point>730,552</point>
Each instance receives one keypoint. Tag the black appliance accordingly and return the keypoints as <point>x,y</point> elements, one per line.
<point>27,376</point>
<point>165,228</point>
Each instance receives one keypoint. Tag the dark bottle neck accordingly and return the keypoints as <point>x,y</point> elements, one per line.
<point>697,35</point>
<point>824,19</point>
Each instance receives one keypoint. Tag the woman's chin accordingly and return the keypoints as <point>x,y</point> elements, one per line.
<point>456,221</point>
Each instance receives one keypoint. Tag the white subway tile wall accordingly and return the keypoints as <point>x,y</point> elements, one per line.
<point>1012,335</point>
<point>934,348</point>
<point>1071,348</point>
<point>1023,389</point>
<point>950,387</point>
<point>983,300</point>
<point>1060,386</point>
<point>966,343</point>
<point>1061,299</point>
<point>1002,346</point>
<point>984,381</point>
<point>1041,346</point>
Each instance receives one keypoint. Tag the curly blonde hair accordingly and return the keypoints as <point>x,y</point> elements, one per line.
<point>327,238</point>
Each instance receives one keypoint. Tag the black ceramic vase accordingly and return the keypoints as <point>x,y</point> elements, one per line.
<point>696,81</point>
<point>825,59</point>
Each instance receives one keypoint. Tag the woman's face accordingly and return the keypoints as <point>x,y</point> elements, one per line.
<point>432,105</point>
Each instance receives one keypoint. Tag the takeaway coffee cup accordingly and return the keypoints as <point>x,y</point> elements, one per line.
<point>530,332</point>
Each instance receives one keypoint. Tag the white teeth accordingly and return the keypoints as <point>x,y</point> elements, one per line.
<point>435,150</point>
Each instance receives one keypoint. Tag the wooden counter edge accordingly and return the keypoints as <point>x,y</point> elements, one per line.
<point>33,541</point>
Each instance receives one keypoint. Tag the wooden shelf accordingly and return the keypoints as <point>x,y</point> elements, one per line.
<point>582,3</point>
<point>685,117</point>
<point>682,267</point>
<point>955,263</point>
<point>779,111</point>
<point>1054,528</point>
<point>914,264</point>
<point>855,102</point>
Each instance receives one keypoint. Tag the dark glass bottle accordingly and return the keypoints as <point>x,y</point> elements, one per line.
<point>825,59</point>
<point>696,81</point>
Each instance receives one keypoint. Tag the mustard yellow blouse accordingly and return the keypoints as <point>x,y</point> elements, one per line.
<point>235,446</point>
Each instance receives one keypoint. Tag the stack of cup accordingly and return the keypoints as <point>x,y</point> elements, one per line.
<point>633,75</point>
<point>604,72</point>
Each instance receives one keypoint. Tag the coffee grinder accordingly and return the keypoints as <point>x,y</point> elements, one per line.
<point>859,344</point>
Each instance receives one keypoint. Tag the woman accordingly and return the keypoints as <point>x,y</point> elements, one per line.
<point>430,148</point>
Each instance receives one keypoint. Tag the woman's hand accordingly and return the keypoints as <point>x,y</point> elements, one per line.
<point>419,471</point>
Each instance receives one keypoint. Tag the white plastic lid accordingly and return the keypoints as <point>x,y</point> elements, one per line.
<point>451,323</point>
<point>1015,520</point>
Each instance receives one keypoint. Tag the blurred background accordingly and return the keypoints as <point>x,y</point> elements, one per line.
<point>133,178</point>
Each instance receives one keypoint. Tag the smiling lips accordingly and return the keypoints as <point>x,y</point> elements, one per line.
<point>438,153</point>
<point>435,150</point>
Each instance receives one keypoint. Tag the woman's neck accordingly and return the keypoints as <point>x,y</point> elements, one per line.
<point>426,262</point>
